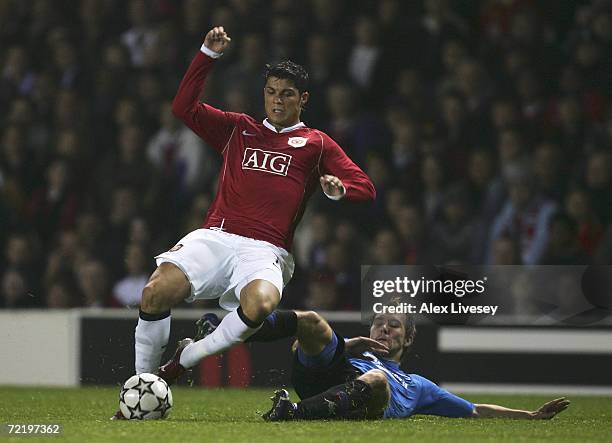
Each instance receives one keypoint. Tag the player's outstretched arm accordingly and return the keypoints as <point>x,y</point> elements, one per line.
<point>211,124</point>
<point>186,104</point>
<point>545,412</point>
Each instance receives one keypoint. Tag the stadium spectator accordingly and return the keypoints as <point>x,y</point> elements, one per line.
<point>455,132</point>
<point>345,275</point>
<point>525,216</point>
<point>512,151</point>
<point>18,78</point>
<point>140,233</point>
<point>504,114</point>
<point>142,36</point>
<point>245,72</point>
<point>15,291</point>
<point>433,178</point>
<point>19,253</point>
<point>126,292</point>
<point>322,61</point>
<point>405,146</point>
<point>68,73</point>
<point>199,205</point>
<point>351,240</point>
<point>410,227</point>
<point>62,293</point>
<point>319,236</point>
<point>21,270</point>
<point>69,111</point>
<point>123,208</point>
<point>563,244</point>
<point>18,175</point>
<point>366,54</point>
<point>129,168</point>
<point>179,155</point>
<point>54,205</point>
<point>321,292</point>
<point>473,82</point>
<point>61,262</point>
<point>487,190</point>
<point>282,38</point>
<point>89,232</point>
<point>603,254</point>
<point>547,169</point>
<point>93,284</point>
<point>345,124</point>
<point>411,91</point>
<point>455,237</point>
<point>598,178</point>
<point>506,251</point>
<point>578,208</point>
<point>385,248</point>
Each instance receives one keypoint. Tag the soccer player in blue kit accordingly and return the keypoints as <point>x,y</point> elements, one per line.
<point>360,378</point>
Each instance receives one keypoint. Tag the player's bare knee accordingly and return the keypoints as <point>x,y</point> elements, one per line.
<point>377,380</point>
<point>259,301</point>
<point>266,308</point>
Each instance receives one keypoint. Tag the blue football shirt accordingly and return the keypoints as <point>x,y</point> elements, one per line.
<point>412,394</point>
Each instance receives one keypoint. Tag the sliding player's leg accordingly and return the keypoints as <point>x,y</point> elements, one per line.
<point>328,384</point>
<point>365,397</point>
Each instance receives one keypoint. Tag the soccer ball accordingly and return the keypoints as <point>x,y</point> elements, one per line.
<point>145,397</point>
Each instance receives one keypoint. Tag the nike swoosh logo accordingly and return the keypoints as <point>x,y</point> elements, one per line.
<point>248,134</point>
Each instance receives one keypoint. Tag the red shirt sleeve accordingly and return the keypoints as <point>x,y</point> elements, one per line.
<point>334,161</point>
<point>211,124</point>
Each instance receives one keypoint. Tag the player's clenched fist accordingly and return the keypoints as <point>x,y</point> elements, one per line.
<point>332,185</point>
<point>217,39</point>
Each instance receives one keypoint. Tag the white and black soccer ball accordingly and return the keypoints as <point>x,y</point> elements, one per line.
<point>145,397</point>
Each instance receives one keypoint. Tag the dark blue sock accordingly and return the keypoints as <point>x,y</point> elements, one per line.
<point>278,325</point>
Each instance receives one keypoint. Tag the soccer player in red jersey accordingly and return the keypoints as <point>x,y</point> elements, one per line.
<point>241,254</point>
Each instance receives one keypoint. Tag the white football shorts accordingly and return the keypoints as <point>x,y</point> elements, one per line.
<point>218,264</point>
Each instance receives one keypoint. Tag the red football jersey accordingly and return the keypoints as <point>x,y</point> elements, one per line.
<point>266,177</point>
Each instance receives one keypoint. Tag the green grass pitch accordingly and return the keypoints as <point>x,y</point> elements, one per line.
<point>234,416</point>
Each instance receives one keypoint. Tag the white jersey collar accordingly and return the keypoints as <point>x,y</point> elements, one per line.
<point>268,125</point>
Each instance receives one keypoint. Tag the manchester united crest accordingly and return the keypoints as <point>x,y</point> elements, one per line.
<point>297,142</point>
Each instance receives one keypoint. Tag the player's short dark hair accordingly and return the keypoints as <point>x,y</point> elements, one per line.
<point>290,71</point>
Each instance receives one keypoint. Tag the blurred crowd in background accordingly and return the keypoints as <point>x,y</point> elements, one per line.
<point>486,127</point>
